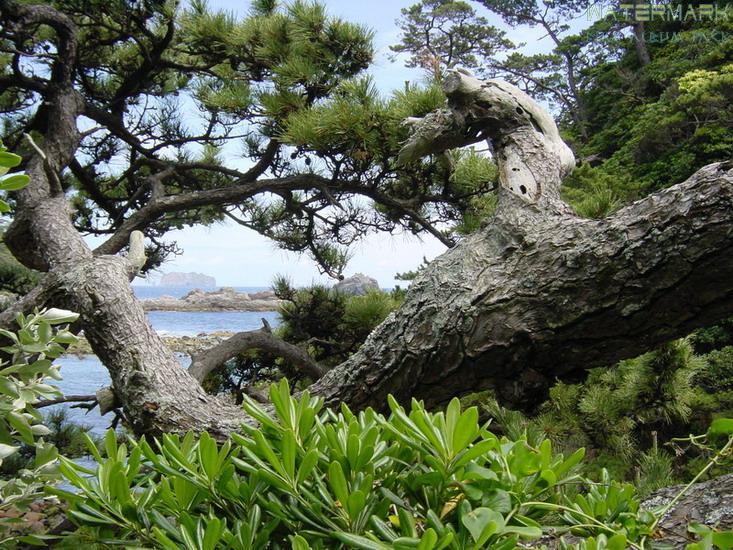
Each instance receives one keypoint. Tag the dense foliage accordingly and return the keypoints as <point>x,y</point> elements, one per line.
<point>330,325</point>
<point>23,382</point>
<point>284,87</point>
<point>313,478</point>
<point>627,417</point>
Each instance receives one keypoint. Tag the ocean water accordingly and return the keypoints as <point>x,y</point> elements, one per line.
<point>85,374</point>
<point>149,291</point>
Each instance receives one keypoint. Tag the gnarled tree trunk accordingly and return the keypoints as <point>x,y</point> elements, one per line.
<point>536,294</point>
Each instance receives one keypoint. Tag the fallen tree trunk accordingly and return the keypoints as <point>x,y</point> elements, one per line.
<point>530,298</point>
<point>536,294</point>
<point>539,294</point>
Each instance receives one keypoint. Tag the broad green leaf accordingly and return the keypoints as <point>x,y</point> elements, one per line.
<point>723,539</point>
<point>363,543</point>
<point>721,427</point>
<point>523,531</point>
<point>482,523</point>
<point>7,450</point>
<point>337,481</point>
<point>55,316</point>
<point>466,430</point>
<point>306,466</point>
<point>14,182</point>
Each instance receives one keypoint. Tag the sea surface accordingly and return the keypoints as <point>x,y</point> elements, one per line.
<point>85,374</point>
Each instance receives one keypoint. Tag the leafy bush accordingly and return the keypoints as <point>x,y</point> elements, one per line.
<point>14,277</point>
<point>306,477</point>
<point>9,182</point>
<point>22,383</point>
<point>65,434</point>
<point>620,413</point>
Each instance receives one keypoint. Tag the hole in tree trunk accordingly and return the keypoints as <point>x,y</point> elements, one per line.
<point>523,189</point>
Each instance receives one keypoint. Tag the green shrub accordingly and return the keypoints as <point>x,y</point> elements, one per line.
<point>32,350</point>
<point>306,477</point>
<point>9,182</point>
<point>712,338</point>
<point>330,325</point>
<point>619,413</point>
<point>65,434</point>
<point>718,374</point>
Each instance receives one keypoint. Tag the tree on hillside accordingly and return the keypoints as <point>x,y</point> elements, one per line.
<point>440,28</point>
<point>440,35</point>
<point>620,86</point>
<point>94,96</point>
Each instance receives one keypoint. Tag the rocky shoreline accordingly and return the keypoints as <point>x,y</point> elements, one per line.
<point>187,345</point>
<point>224,299</point>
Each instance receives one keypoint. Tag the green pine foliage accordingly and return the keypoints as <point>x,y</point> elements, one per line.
<point>626,416</point>
<point>328,324</point>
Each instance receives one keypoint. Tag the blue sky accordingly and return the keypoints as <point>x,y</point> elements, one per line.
<point>237,256</point>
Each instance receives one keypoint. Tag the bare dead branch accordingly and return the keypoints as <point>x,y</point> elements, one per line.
<point>203,363</point>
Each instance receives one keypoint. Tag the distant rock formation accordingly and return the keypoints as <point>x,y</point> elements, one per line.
<point>224,299</point>
<point>357,285</point>
<point>198,280</point>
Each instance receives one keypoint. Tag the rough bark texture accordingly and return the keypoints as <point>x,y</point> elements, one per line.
<point>538,293</point>
<point>535,294</point>
<point>709,503</point>
<point>157,393</point>
<point>203,363</point>
<point>530,298</point>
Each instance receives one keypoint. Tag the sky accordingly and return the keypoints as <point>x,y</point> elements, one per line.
<point>237,256</point>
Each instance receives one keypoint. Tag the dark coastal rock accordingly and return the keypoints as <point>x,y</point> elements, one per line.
<point>357,285</point>
<point>224,299</point>
<point>187,345</point>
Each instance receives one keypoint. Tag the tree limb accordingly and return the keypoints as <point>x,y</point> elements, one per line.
<point>222,196</point>
<point>66,399</point>
<point>203,363</point>
<point>538,294</point>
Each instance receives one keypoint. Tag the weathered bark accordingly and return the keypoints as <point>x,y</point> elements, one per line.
<point>203,363</point>
<point>709,503</point>
<point>535,294</point>
<point>530,298</point>
<point>538,293</point>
